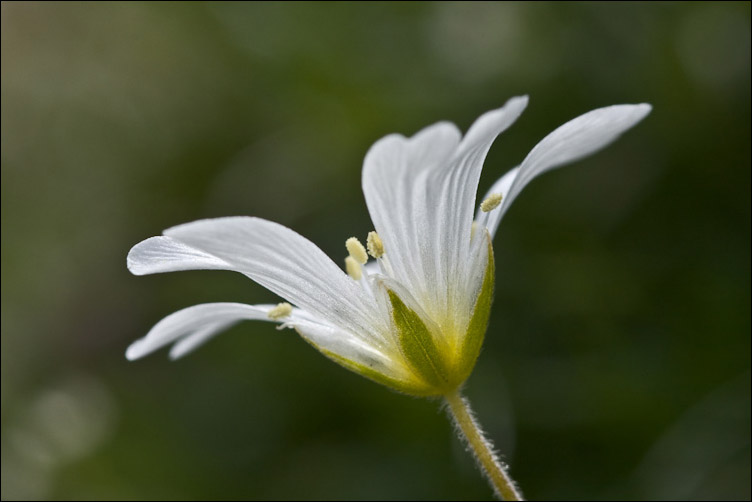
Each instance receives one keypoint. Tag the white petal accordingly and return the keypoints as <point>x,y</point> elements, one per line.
<point>193,326</point>
<point>574,140</point>
<point>162,254</point>
<point>462,177</point>
<point>332,340</point>
<point>205,320</point>
<point>421,196</point>
<point>193,341</point>
<point>287,264</point>
<point>489,125</point>
<point>296,318</point>
<point>395,183</point>
<point>372,267</point>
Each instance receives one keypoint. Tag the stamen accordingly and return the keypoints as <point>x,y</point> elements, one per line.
<point>491,202</point>
<point>353,268</point>
<point>473,229</point>
<point>356,250</point>
<point>375,246</point>
<point>281,310</point>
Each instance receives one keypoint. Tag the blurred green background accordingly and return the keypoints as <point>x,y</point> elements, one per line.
<point>617,362</point>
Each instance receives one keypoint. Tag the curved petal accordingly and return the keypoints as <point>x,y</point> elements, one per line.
<point>385,367</point>
<point>332,340</point>
<point>194,340</point>
<point>189,343</point>
<point>463,176</point>
<point>572,141</point>
<point>421,196</point>
<point>191,327</point>
<point>395,186</point>
<point>197,323</point>
<point>272,255</point>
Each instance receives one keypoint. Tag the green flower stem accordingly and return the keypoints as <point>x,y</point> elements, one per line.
<point>494,470</point>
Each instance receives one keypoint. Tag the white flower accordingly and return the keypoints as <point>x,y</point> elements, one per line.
<point>414,318</point>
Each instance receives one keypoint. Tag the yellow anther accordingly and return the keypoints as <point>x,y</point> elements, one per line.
<point>491,202</point>
<point>375,246</point>
<point>353,268</point>
<point>356,250</point>
<point>473,229</point>
<point>281,310</point>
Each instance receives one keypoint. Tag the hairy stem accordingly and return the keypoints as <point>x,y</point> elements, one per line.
<point>468,427</point>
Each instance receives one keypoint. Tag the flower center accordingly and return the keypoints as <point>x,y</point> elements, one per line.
<point>357,257</point>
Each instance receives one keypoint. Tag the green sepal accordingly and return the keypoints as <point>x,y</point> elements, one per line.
<point>418,345</point>
<point>476,330</point>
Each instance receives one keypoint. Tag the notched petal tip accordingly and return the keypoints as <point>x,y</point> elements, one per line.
<point>188,344</point>
<point>386,147</point>
<point>396,153</point>
<point>193,326</point>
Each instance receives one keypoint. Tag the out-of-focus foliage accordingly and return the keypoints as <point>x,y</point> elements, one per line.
<point>617,363</point>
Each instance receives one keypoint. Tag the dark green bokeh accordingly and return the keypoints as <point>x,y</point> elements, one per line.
<point>617,362</point>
